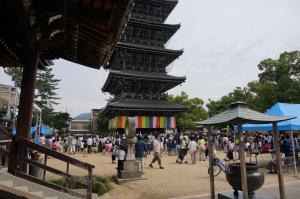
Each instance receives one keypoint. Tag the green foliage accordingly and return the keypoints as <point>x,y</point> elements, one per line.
<point>46,85</point>
<point>16,75</point>
<point>100,185</point>
<point>279,81</point>
<point>102,124</point>
<point>60,120</point>
<point>195,110</point>
<point>238,94</point>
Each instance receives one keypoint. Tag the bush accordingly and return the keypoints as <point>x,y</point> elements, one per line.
<point>100,185</point>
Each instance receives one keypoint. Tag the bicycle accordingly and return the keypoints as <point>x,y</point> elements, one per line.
<point>219,166</point>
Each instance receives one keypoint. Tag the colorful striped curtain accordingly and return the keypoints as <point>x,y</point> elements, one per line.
<point>144,122</point>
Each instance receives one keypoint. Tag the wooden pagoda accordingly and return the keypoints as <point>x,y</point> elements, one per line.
<point>138,79</point>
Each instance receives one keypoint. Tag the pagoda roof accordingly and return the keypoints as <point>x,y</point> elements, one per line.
<point>170,28</point>
<point>172,3</point>
<point>80,32</point>
<point>143,49</point>
<point>149,49</point>
<point>143,105</point>
<point>146,23</point>
<point>113,78</point>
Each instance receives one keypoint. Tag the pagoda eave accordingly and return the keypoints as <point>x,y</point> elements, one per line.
<point>115,77</point>
<point>150,24</point>
<point>148,49</point>
<point>143,105</point>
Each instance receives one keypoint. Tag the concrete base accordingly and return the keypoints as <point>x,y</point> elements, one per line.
<point>132,171</point>
<point>120,180</point>
<point>230,195</point>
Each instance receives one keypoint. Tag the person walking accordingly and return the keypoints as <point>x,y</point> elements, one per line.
<point>201,145</point>
<point>192,146</point>
<point>140,151</point>
<point>156,152</point>
<point>89,144</point>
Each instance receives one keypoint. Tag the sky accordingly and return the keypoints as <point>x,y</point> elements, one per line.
<point>223,42</point>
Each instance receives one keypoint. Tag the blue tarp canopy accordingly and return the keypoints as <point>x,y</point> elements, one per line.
<point>44,131</point>
<point>279,109</point>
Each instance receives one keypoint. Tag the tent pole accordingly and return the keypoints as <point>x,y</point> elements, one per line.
<point>278,161</point>
<point>234,143</point>
<point>242,161</point>
<point>294,155</point>
<point>211,159</point>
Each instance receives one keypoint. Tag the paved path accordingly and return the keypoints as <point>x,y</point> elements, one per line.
<point>292,190</point>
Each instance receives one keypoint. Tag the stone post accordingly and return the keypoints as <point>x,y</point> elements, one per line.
<point>132,168</point>
<point>130,131</point>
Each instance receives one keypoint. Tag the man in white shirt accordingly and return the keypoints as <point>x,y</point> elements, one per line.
<point>156,152</point>
<point>89,144</point>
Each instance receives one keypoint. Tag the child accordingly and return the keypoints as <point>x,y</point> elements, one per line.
<point>121,158</point>
<point>114,153</point>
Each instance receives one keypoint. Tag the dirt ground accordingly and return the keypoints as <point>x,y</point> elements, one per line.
<point>176,180</point>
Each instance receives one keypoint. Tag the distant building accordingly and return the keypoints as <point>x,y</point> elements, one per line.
<point>9,101</point>
<point>81,124</point>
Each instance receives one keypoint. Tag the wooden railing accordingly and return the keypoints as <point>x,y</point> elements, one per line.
<point>4,152</point>
<point>23,160</point>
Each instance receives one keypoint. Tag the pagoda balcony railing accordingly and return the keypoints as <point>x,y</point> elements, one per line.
<point>143,40</point>
<point>146,36</point>
<point>155,13</point>
<point>142,96</point>
<point>143,61</point>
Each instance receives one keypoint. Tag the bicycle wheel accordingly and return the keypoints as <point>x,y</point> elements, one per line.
<point>216,170</point>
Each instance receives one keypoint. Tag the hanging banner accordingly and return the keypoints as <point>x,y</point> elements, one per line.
<point>144,122</point>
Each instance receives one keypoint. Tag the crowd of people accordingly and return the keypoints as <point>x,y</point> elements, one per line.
<point>177,144</point>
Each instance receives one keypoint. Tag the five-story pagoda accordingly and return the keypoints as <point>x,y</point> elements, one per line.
<point>138,79</point>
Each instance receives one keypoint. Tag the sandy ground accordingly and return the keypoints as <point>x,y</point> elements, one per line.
<point>176,180</point>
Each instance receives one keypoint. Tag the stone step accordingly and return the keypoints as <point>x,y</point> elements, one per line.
<point>37,193</point>
<point>51,197</point>
<point>22,188</point>
<point>8,183</point>
<point>27,186</point>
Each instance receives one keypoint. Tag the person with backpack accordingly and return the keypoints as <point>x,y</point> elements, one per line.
<point>140,151</point>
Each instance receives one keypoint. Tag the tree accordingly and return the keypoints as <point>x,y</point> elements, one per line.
<point>16,75</point>
<point>46,96</point>
<point>102,124</point>
<point>46,85</point>
<point>195,110</point>
<point>60,121</point>
<point>238,94</point>
<point>279,81</point>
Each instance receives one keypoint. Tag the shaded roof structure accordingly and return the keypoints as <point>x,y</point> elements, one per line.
<point>83,32</point>
<point>239,112</point>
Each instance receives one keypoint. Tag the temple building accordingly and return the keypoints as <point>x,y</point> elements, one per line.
<point>137,78</point>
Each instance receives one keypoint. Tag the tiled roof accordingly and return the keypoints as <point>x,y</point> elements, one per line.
<point>83,116</point>
<point>144,105</point>
<point>239,112</point>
